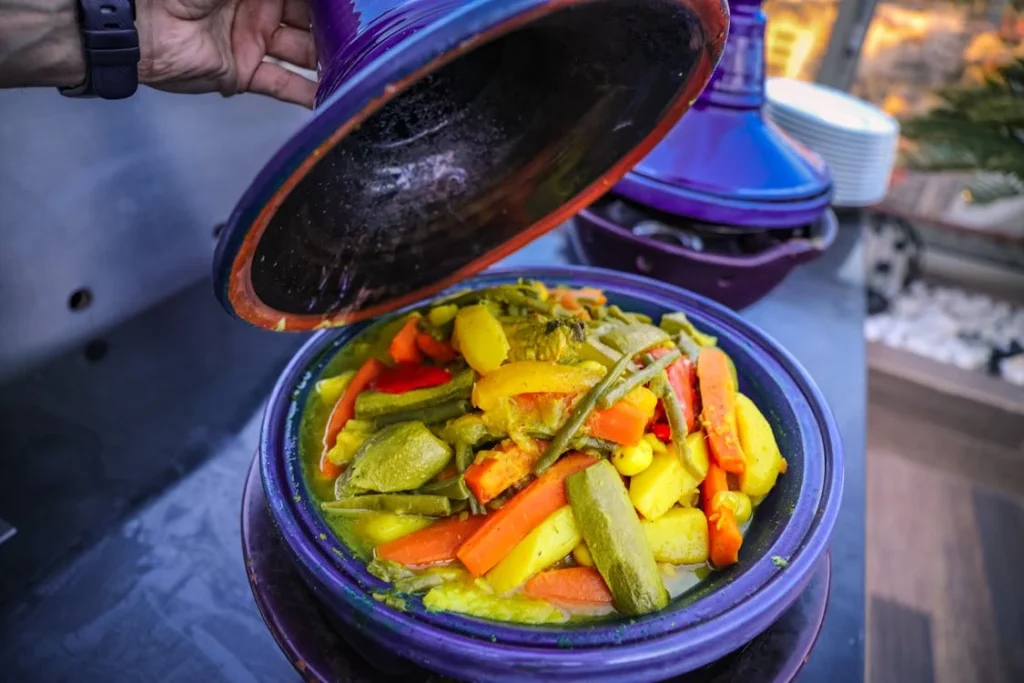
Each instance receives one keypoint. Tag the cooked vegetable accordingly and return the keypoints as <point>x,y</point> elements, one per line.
<point>582,556</point>
<point>384,527</point>
<point>635,338</point>
<point>718,394</point>
<point>764,461</point>
<point>469,598</point>
<point>658,487</point>
<point>531,377</point>
<point>330,390</point>
<point>572,585</point>
<point>406,377</point>
<point>531,454</point>
<point>639,379</point>
<point>400,457</point>
<point>676,323</point>
<point>403,347</point>
<point>481,339</point>
<point>680,536</point>
<point>520,515</point>
<point>622,424</point>
<point>437,543</point>
<point>435,350</point>
<point>376,404</point>
<point>453,487</point>
<point>430,415</point>
<point>632,460</point>
<point>344,411</point>
<point>724,534</point>
<point>615,538</point>
<point>495,471</point>
<point>410,504</point>
<point>549,542</point>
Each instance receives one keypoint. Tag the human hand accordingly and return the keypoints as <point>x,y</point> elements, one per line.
<point>197,46</point>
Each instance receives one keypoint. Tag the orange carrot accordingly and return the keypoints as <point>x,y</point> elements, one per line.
<point>344,409</point>
<point>439,351</point>
<point>718,395</point>
<point>724,534</point>
<point>622,423</point>
<point>495,472</point>
<point>518,517</point>
<point>403,348</point>
<point>435,544</point>
<point>574,585</point>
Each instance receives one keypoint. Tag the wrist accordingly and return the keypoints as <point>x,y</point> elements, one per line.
<point>40,44</point>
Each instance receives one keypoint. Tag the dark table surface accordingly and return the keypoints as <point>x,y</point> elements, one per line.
<point>123,468</point>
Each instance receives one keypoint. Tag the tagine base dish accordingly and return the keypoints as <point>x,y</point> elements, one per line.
<point>321,652</point>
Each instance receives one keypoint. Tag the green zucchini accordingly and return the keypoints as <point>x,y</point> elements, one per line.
<point>409,504</point>
<point>375,404</point>
<point>678,323</point>
<point>401,457</point>
<point>635,338</point>
<point>613,534</point>
<point>453,488</point>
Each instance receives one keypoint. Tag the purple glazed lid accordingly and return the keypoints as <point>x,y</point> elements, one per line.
<point>447,134</point>
<point>716,617</point>
<point>723,162</point>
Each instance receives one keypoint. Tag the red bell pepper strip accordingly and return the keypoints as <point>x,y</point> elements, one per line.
<point>662,431</point>
<point>409,376</point>
<point>682,377</point>
<point>343,411</point>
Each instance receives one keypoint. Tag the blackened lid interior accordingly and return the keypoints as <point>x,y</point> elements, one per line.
<point>429,165</point>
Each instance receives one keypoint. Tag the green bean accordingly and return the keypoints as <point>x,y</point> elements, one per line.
<point>638,379</point>
<point>388,571</point>
<point>635,338</point>
<point>418,583</point>
<point>428,415</point>
<point>400,504</point>
<point>676,323</point>
<point>375,404</point>
<point>677,424</point>
<point>560,442</point>
<point>687,346</point>
<point>453,488</point>
<point>475,507</point>
<point>463,455</point>
<point>592,443</point>
<point>618,314</point>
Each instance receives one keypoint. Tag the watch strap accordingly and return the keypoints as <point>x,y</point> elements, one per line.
<point>111,46</point>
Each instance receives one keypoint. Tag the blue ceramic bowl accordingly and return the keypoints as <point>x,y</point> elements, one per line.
<point>714,618</point>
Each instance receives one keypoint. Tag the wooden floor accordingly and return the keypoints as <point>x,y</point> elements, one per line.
<point>945,538</point>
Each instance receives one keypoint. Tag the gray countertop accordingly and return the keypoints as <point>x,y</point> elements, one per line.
<point>123,470</point>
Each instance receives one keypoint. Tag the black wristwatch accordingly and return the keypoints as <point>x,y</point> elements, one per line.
<point>111,46</point>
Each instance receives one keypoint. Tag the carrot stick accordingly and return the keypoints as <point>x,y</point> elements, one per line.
<point>437,543</point>
<point>344,409</point>
<point>622,423</point>
<point>403,348</point>
<point>724,534</point>
<point>528,508</point>
<point>718,394</point>
<point>495,472</point>
<point>575,585</point>
<point>439,351</point>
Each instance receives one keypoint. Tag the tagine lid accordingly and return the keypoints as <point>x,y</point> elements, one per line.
<point>482,127</point>
<point>724,162</point>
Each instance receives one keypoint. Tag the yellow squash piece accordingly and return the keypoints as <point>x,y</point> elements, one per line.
<point>658,487</point>
<point>763,459</point>
<point>680,536</point>
<point>532,377</point>
<point>697,444</point>
<point>643,399</point>
<point>551,541</point>
<point>481,338</point>
<point>330,390</point>
<point>383,527</point>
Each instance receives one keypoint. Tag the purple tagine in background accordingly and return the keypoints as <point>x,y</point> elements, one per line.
<point>781,550</point>
<point>726,204</point>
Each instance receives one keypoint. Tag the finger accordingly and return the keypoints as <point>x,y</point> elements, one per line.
<point>293,46</point>
<point>296,14</point>
<point>280,83</point>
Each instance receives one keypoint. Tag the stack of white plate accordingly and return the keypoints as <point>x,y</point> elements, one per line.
<point>857,140</point>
